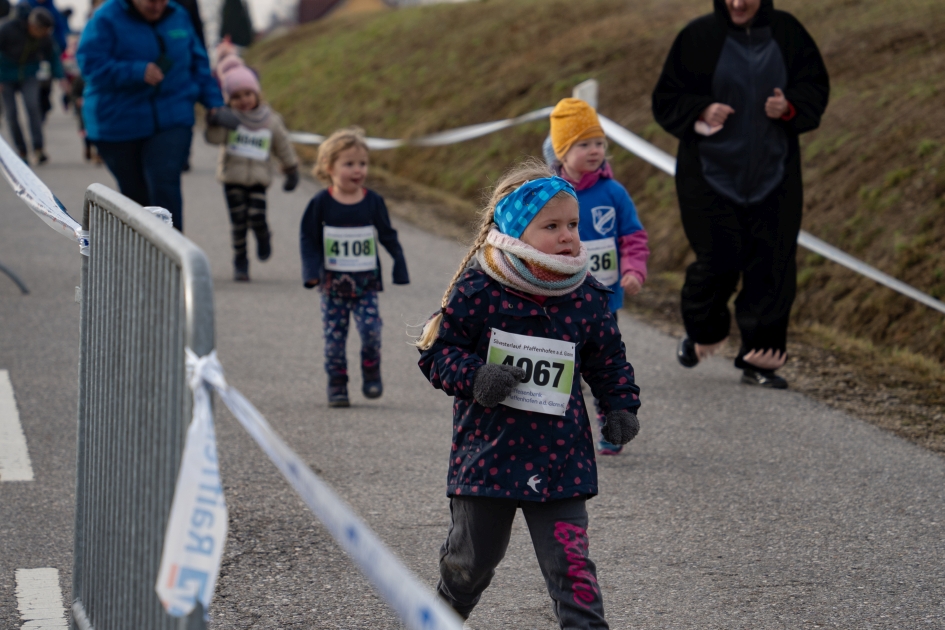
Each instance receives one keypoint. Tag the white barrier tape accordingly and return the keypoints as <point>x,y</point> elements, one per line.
<point>417,607</point>
<point>648,153</point>
<point>667,163</point>
<point>638,146</point>
<point>442,138</point>
<point>39,198</point>
<point>839,256</point>
<point>196,530</point>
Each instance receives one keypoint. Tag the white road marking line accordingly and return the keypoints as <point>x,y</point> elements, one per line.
<point>39,599</point>
<point>14,458</point>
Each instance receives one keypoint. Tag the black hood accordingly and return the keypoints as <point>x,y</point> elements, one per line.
<point>762,18</point>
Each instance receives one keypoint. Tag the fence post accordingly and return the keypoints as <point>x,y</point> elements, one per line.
<point>587,91</point>
<point>146,295</point>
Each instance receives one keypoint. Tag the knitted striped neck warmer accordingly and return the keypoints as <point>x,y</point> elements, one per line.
<point>515,264</point>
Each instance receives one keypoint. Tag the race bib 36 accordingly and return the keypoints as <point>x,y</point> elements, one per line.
<point>605,266</point>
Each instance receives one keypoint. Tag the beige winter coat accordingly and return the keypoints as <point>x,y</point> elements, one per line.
<point>247,171</point>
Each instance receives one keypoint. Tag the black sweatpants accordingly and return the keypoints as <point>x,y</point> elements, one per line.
<point>480,529</point>
<point>247,205</point>
<point>757,243</point>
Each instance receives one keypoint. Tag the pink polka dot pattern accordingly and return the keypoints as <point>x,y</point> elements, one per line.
<point>505,452</point>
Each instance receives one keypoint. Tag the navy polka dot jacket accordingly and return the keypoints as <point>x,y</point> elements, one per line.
<point>510,453</point>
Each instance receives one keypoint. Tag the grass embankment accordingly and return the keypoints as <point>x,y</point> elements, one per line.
<point>874,171</point>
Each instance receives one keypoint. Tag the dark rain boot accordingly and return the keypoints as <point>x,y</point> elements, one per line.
<point>241,268</point>
<point>338,393</point>
<point>371,385</point>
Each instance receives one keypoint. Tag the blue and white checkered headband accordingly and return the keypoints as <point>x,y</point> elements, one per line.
<point>516,210</point>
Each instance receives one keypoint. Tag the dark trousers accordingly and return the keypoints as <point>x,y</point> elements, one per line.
<point>757,243</point>
<point>336,315</point>
<point>247,205</point>
<point>479,534</point>
<point>30,91</point>
<point>148,170</point>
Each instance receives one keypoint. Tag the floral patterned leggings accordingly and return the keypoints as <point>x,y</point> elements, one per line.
<point>335,318</point>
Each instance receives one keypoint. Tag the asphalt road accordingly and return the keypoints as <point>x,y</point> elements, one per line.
<point>735,508</point>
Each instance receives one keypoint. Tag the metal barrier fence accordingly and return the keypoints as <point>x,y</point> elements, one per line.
<point>146,295</point>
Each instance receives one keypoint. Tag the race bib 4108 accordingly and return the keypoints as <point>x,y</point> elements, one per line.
<point>549,371</point>
<point>350,248</point>
<point>605,266</point>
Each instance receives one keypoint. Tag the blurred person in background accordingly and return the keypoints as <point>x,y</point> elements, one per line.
<point>738,88</point>
<point>25,43</point>
<point>60,35</point>
<point>145,69</point>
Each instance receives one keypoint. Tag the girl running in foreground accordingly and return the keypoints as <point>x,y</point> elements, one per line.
<point>520,321</point>
<point>340,230</point>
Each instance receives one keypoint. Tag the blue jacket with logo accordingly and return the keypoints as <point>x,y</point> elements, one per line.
<point>607,211</point>
<point>510,453</point>
<point>116,47</point>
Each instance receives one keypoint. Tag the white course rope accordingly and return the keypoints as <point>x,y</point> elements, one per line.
<point>667,163</point>
<point>442,138</point>
<point>648,153</point>
<point>417,607</point>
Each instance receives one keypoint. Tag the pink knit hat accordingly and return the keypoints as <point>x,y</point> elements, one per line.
<point>227,64</point>
<point>240,78</point>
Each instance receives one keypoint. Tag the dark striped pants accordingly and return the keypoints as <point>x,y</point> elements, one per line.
<point>247,205</point>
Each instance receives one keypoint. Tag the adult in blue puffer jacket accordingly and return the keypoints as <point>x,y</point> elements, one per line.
<point>145,69</point>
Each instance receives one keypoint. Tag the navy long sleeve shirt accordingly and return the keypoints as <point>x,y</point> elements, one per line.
<point>323,210</point>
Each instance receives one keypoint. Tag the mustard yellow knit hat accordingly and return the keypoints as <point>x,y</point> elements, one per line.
<point>573,120</point>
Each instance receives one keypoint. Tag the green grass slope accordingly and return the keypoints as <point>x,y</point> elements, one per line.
<point>874,171</point>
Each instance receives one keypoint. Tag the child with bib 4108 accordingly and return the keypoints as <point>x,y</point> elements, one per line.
<point>520,323</point>
<point>250,132</point>
<point>610,228</point>
<point>340,230</point>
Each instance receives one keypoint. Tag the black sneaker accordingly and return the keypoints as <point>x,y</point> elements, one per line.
<point>264,246</point>
<point>41,157</point>
<point>686,353</point>
<point>338,395</point>
<point>241,269</point>
<point>765,378</point>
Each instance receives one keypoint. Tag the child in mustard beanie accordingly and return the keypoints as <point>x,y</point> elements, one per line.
<point>609,226</point>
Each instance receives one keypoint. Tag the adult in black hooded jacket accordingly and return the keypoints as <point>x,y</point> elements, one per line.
<point>738,88</point>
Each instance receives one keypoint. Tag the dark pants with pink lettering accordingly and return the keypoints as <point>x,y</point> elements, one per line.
<point>480,528</point>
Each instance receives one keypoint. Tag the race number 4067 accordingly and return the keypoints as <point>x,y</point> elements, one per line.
<point>549,370</point>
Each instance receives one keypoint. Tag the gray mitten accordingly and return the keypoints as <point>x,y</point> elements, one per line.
<point>223,117</point>
<point>620,427</point>
<point>494,383</point>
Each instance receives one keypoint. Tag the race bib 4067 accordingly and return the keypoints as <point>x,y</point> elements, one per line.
<point>549,370</point>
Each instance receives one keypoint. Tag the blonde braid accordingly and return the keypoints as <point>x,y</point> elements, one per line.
<point>529,170</point>
<point>432,328</point>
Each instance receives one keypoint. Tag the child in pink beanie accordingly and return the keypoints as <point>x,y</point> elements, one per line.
<point>249,132</point>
